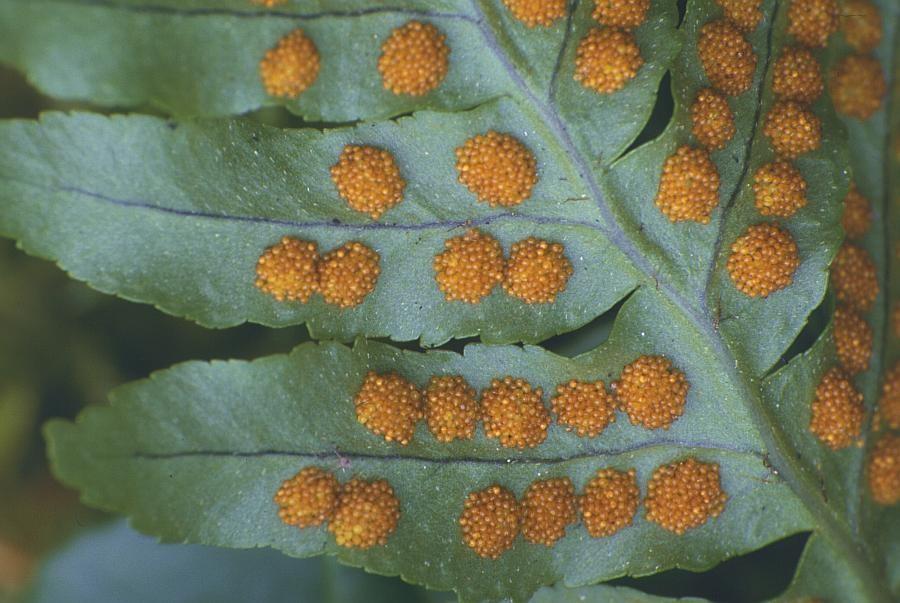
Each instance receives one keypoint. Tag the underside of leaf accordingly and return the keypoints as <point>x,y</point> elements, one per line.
<point>484,184</point>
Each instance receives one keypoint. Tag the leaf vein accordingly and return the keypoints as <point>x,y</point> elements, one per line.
<point>155,9</point>
<point>331,224</point>
<point>720,237</point>
<point>337,453</point>
<point>610,228</point>
<point>567,36</point>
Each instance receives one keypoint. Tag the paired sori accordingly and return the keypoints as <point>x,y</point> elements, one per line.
<point>680,496</point>
<point>506,170</point>
<point>414,58</point>
<point>765,257</point>
<point>469,269</point>
<point>495,167</point>
<point>500,170</point>
<point>359,513</point>
<point>857,88</point>
<point>650,391</point>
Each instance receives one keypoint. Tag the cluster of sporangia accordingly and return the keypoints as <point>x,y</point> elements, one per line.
<point>496,167</point>
<point>293,270</point>
<point>360,513</point>
<point>415,57</point>
<point>680,496</point>
<point>884,457</point>
<point>499,170</point>
<point>469,268</point>
<point>837,409</point>
<point>765,257</point>
<point>857,86</point>
<point>650,391</point>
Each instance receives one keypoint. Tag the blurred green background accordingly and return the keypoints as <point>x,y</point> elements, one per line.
<point>64,346</point>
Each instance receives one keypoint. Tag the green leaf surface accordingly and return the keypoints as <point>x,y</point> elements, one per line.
<point>175,212</point>
<point>180,216</point>
<point>191,192</point>
<point>197,58</point>
<point>201,58</point>
<point>842,475</point>
<point>212,443</point>
<point>608,594</point>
